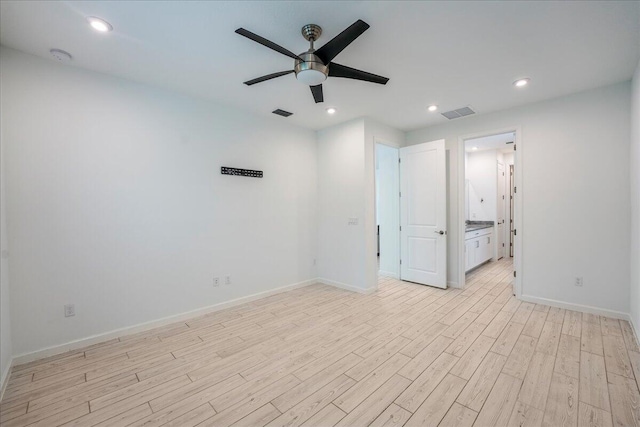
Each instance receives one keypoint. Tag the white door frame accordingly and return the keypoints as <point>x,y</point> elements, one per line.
<point>517,162</point>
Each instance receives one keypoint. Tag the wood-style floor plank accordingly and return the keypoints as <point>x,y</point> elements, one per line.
<point>518,361</point>
<point>481,383</point>
<point>562,403</point>
<point>525,416</point>
<point>499,405</point>
<point>393,416</point>
<point>458,416</point>
<point>537,380</point>
<point>590,416</point>
<point>625,400</point>
<point>593,381</point>
<point>435,407</point>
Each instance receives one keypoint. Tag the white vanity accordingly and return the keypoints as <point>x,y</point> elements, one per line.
<point>478,246</point>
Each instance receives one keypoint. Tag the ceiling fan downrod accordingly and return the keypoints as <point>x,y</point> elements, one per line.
<point>311,33</point>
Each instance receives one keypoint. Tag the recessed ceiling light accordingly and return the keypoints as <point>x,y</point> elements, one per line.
<point>432,108</point>
<point>99,24</point>
<point>474,148</point>
<point>521,82</point>
<point>331,110</point>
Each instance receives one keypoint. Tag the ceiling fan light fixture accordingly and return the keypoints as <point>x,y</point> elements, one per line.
<point>311,77</point>
<point>99,25</point>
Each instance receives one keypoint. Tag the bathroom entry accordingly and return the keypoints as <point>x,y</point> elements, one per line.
<point>489,163</point>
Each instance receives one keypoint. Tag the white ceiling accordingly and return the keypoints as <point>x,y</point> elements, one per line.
<point>448,53</point>
<point>493,142</point>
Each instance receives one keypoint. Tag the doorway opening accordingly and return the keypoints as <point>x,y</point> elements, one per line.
<point>387,181</point>
<point>488,234</point>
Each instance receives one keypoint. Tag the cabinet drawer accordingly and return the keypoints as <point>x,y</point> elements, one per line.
<point>478,233</point>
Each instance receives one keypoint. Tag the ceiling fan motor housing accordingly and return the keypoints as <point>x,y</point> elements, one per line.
<point>311,70</point>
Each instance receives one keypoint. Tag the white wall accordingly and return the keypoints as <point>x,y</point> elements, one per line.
<point>634,255</point>
<point>576,209</point>
<point>388,202</point>
<point>341,247</point>
<point>6,350</point>
<point>482,173</point>
<point>116,202</point>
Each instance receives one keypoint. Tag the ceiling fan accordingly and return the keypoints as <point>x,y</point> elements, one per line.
<point>314,66</point>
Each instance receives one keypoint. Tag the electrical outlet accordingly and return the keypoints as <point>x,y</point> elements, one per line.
<point>227,280</point>
<point>69,310</point>
<point>578,281</point>
<point>216,282</point>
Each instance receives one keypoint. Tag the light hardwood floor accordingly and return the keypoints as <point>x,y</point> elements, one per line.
<point>320,356</point>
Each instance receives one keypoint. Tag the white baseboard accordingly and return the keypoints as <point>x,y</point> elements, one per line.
<point>453,285</point>
<point>345,286</point>
<point>4,378</point>
<point>388,274</point>
<point>130,330</point>
<point>577,307</point>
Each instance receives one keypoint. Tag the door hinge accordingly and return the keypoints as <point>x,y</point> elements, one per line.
<point>502,197</point>
<point>400,228</point>
<point>400,193</point>
<point>514,273</point>
<point>515,190</point>
<point>515,232</point>
<point>400,262</point>
<point>503,245</point>
<point>514,147</point>
<point>399,160</point>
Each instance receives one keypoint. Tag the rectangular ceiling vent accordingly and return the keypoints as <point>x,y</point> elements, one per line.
<point>460,112</point>
<point>282,113</point>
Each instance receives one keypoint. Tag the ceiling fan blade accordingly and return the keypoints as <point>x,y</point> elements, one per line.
<point>337,44</point>
<point>271,45</point>
<point>317,93</point>
<point>267,77</point>
<point>337,70</point>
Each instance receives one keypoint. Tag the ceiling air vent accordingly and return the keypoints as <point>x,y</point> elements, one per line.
<point>282,113</point>
<point>460,112</point>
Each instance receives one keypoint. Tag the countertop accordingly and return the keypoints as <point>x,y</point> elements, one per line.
<point>478,225</point>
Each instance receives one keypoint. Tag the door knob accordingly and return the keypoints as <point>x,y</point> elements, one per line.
<point>440,232</point>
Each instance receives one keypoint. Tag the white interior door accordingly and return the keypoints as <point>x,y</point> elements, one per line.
<point>501,210</point>
<point>423,214</point>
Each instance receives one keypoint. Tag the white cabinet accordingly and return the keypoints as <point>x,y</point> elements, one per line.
<point>478,247</point>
